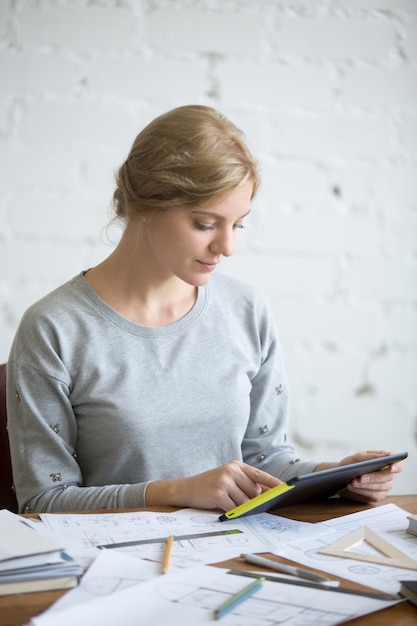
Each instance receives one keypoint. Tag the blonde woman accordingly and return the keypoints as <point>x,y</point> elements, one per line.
<point>153,379</point>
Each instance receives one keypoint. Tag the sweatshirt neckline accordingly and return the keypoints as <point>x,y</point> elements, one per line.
<point>137,329</point>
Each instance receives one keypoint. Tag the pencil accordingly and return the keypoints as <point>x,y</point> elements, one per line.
<point>167,554</point>
<point>239,597</point>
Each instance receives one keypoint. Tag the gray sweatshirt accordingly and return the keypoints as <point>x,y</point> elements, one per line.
<point>99,406</point>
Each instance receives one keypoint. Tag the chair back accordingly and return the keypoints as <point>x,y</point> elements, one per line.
<point>7,494</point>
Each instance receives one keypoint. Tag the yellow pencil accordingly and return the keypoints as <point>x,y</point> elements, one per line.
<point>167,554</point>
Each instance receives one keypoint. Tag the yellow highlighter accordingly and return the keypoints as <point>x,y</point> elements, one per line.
<point>256,502</point>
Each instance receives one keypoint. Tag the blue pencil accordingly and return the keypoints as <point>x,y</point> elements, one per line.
<point>239,597</point>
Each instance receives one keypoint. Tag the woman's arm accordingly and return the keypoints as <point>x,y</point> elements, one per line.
<point>43,435</point>
<point>221,488</point>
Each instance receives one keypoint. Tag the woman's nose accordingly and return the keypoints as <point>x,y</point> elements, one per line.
<point>224,243</point>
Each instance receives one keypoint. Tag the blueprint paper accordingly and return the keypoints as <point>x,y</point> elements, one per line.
<point>191,595</point>
<point>83,533</point>
<point>110,573</point>
<point>389,521</point>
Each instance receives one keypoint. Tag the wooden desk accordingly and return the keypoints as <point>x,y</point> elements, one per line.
<point>17,610</point>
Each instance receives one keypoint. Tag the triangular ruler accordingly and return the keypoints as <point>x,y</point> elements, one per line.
<point>388,554</point>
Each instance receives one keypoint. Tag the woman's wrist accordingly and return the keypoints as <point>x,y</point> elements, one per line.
<point>164,493</point>
<point>325,466</point>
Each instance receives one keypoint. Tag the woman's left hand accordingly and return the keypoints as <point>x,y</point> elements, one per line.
<point>371,487</point>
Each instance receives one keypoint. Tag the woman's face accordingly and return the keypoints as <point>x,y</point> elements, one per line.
<point>190,244</point>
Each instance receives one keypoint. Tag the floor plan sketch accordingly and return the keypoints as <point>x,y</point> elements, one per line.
<point>388,521</point>
<point>190,596</point>
<point>199,536</point>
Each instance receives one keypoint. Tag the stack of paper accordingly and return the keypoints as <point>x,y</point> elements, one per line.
<point>409,590</point>
<point>412,524</point>
<point>30,561</point>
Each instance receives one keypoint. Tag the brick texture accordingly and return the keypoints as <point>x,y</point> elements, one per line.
<point>327,95</point>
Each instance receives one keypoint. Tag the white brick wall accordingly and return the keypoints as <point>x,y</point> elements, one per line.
<point>327,94</point>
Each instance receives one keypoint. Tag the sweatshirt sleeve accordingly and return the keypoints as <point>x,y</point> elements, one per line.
<point>42,431</point>
<point>266,443</point>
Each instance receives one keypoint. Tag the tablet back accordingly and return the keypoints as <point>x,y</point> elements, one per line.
<point>328,482</point>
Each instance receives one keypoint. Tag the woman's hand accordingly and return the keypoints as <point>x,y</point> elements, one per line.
<point>371,487</point>
<point>222,488</point>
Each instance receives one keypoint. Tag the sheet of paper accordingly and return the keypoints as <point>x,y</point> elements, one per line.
<point>109,573</point>
<point>137,534</point>
<point>389,521</point>
<point>17,540</point>
<point>191,595</point>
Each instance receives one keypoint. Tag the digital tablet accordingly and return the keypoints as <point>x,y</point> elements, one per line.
<point>322,484</point>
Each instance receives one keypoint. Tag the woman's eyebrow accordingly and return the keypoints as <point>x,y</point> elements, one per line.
<point>217,216</point>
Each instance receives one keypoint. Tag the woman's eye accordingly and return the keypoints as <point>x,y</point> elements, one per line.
<point>203,226</point>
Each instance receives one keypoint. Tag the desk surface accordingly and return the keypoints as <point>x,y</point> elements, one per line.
<point>17,610</point>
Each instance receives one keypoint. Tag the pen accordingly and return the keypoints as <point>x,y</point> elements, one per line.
<point>167,554</point>
<point>284,569</point>
<point>300,582</point>
<point>239,597</point>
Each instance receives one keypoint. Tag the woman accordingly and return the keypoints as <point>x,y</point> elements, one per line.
<point>152,379</point>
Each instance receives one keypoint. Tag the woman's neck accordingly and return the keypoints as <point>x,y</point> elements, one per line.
<point>126,281</point>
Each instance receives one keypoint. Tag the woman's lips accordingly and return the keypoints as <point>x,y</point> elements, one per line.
<point>208,266</point>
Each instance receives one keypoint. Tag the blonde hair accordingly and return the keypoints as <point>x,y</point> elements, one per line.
<point>189,156</point>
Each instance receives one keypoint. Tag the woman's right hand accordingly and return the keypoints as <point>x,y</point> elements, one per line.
<point>223,488</point>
